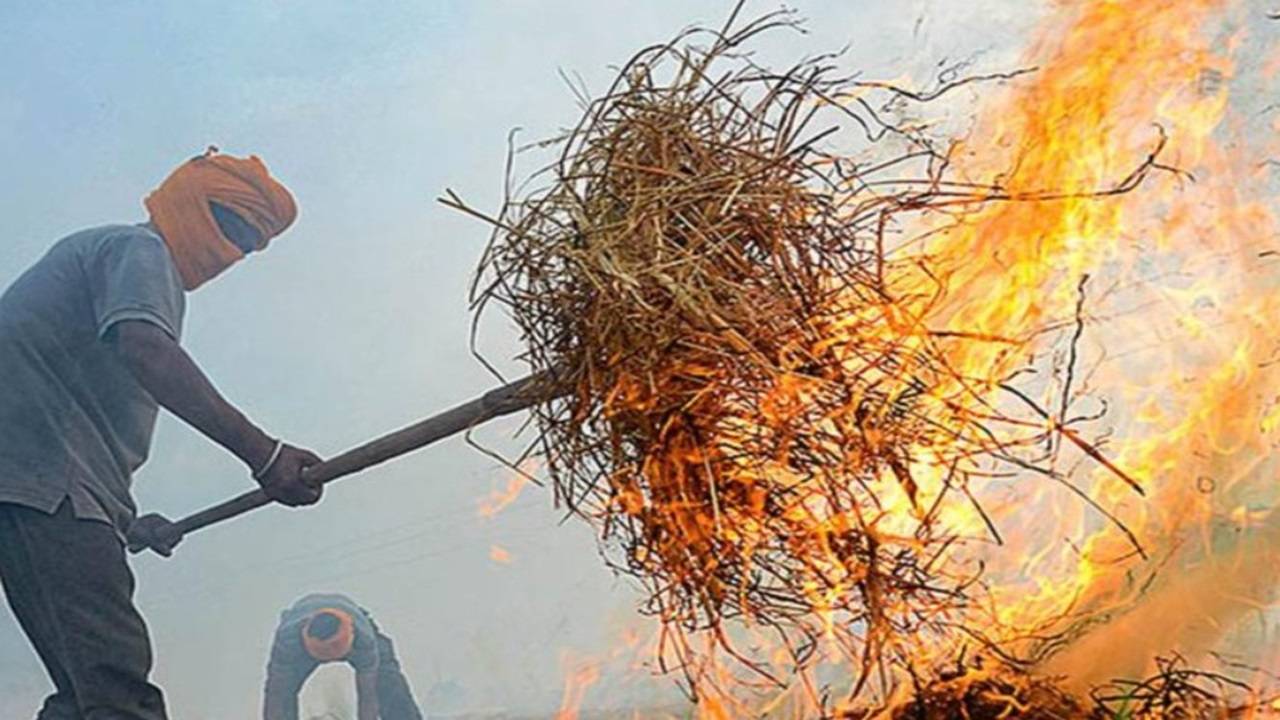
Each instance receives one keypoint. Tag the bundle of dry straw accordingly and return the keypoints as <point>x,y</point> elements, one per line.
<point>750,405</point>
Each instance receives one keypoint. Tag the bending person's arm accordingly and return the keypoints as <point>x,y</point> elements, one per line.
<point>165,371</point>
<point>366,663</point>
<point>367,694</point>
<point>285,679</point>
<point>280,699</point>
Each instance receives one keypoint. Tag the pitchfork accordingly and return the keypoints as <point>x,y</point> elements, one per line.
<point>161,535</point>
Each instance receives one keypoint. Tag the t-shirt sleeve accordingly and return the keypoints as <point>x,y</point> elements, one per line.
<point>132,277</point>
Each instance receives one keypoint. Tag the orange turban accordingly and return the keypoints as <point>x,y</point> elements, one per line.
<point>180,210</point>
<point>334,647</point>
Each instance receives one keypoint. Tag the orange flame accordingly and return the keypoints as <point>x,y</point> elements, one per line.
<point>579,677</point>
<point>499,499</point>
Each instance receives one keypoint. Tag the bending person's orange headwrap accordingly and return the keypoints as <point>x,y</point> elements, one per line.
<point>180,211</point>
<point>334,647</point>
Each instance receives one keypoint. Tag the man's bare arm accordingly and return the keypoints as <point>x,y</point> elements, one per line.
<point>165,370</point>
<point>367,695</point>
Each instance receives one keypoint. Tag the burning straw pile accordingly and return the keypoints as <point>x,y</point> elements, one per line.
<point>983,688</point>
<point>748,406</point>
<point>753,408</point>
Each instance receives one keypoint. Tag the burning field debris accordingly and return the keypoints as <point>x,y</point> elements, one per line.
<point>750,401</point>
<point>994,689</point>
<point>854,398</point>
<point>986,692</point>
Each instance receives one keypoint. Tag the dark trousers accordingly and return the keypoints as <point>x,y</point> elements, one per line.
<point>72,592</point>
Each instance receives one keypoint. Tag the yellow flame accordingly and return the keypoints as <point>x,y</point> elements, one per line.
<point>1179,327</point>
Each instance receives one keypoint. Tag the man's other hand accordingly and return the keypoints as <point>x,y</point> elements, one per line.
<point>155,532</point>
<point>285,482</point>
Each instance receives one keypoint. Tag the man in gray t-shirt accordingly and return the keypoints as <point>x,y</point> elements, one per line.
<point>89,351</point>
<point>324,628</point>
<point>74,422</point>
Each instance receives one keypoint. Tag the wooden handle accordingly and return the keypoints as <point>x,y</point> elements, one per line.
<point>510,398</point>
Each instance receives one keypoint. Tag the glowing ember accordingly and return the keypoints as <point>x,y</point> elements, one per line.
<point>500,555</point>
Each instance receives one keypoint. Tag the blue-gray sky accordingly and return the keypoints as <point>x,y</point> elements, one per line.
<point>355,322</point>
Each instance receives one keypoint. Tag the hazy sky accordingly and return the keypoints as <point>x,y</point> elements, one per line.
<point>355,322</point>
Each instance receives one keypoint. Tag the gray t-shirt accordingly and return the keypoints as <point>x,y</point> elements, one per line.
<point>290,662</point>
<point>74,423</point>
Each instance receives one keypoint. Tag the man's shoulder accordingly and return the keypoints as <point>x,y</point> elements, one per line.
<point>315,601</point>
<point>306,605</point>
<point>121,233</point>
<point>91,241</point>
<point>318,601</point>
<point>111,231</point>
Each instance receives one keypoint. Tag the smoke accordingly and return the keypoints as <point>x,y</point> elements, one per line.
<point>1191,608</point>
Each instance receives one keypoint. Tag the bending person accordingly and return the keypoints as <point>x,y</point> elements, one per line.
<point>322,629</point>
